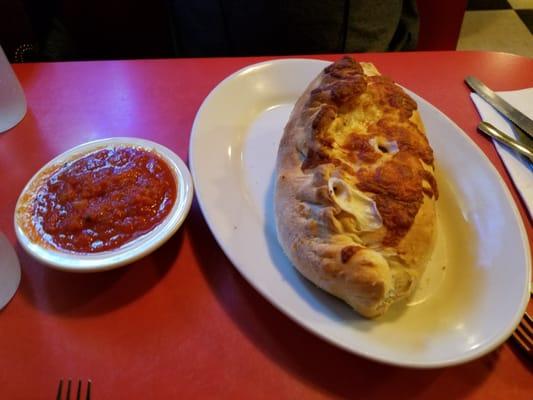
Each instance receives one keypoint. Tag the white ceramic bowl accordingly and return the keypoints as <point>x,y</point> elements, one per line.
<point>132,250</point>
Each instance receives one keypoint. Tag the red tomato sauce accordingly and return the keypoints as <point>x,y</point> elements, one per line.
<point>105,199</point>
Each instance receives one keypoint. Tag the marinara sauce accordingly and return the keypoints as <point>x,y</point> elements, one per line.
<point>105,199</point>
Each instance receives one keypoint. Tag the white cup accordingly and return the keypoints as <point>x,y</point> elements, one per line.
<point>12,99</point>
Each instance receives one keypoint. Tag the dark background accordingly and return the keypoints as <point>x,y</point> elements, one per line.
<point>59,30</point>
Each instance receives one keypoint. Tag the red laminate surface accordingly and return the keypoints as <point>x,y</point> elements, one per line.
<point>182,322</point>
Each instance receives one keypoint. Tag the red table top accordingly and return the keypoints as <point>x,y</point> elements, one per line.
<point>182,322</point>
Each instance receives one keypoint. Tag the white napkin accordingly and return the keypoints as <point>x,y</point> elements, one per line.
<point>518,168</point>
<point>9,271</point>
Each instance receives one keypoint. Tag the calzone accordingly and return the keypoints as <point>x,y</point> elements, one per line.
<point>355,188</point>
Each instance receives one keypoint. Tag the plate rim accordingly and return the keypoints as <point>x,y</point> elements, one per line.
<point>469,355</point>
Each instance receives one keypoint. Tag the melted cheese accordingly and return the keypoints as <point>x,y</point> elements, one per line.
<point>354,202</point>
<point>384,145</point>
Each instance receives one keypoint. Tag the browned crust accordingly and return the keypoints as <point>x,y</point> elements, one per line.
<point>369,270</point>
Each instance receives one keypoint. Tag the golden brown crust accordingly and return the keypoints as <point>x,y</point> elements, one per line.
<point>355,191</point>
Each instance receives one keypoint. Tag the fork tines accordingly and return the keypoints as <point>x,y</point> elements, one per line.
<point>78,390</point>
<point>523,334</point>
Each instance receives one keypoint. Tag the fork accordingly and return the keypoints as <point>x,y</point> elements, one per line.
<point>78,391</point>
<point>523,333</point>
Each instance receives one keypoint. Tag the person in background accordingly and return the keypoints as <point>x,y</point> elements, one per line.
<point>53,30</point>
<point>270,27</point>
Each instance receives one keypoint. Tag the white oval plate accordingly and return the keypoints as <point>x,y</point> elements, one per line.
<point>477,284</point>
<point>130,251</point>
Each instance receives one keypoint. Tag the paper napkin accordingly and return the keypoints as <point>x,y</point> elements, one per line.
<point>519,170</point>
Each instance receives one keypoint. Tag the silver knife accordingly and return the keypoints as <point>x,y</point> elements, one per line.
<point>501,105</point>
